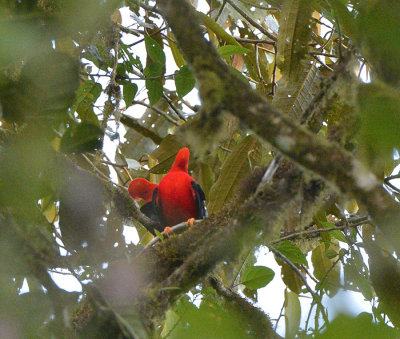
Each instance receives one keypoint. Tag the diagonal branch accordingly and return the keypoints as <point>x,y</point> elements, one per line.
<point>220,89</point>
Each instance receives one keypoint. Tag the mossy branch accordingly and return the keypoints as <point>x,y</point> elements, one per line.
<point>313,153</point>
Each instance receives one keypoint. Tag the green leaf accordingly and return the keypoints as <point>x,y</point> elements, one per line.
<point>235,167</point>
<point>229,50</point>
<point>176,53</point>
<point>211,320</point>
<point>170,322</point>
<point>331,253</point>
<point>299,77</point>
<point>47,86</point>
<point>143,131</point>
<point>184,81</point>
<point>352,274</point>
<point>159,234</point>
<point>155,91</point>
<point>380,124</point>
<point>292,252</point>
<point>290,277</point>
<point>337,234</point>
<point>166,154</point>
<point>294,35</point>
<point>85,137</point>
<point>379,33</point>
<point>129,92</point>
<point>154,50</point>
<point>251,294</point>
<point>322,265</point>
<point>133,61</point>
<point>154,70</point>
<point>292,314</point>
<point>255,277</point>
<point>87,94</point>
<point>361,327</point>
<point>365,287</point>
<point>206,177</point>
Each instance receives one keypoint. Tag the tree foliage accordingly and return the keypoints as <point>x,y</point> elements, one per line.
<point>295,142</point>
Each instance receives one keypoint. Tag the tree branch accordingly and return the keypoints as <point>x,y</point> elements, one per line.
<point>220,89</point>
<point>255,317</point>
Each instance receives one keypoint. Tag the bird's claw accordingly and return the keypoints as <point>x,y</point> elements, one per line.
<point>167,230</point>
<point>190,222</point>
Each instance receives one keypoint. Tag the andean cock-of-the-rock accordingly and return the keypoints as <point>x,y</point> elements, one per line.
<point>177,198</point>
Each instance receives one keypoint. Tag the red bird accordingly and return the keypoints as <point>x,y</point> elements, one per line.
<point>142,189</point>
<point>179,197</point>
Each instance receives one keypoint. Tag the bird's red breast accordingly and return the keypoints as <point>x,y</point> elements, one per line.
<point>176,197</point>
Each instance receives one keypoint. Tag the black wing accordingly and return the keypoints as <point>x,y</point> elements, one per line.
<point>200,200</point>
<point>157,208</point>
<point>149,211</point>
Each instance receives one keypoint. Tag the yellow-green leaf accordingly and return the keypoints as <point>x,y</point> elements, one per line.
<point>292,313</point>
<point>290,278</point>
<point>235,167</point>
<point>322,265</point>
<point>229,50</point>
<point>176,53</point>
<point>165,154</point>
<point>206,177</point>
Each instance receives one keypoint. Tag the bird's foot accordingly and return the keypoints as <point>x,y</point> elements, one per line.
<point>167,230</point>
<point>190,222</point>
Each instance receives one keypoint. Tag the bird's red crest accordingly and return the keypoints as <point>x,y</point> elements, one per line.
<point>182,160</point>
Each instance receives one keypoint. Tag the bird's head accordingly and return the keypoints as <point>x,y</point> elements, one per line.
<point>141,189</point>
<point>182,160</point>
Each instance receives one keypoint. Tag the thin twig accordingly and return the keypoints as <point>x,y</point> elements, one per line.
<point>361,68</point>
<point>274,73</point>
<point>315,295</point>
<point>127,30</point>
<point>324,54</point>
<point>101,173</point>
<point>149,8</point>
<point>295,269</point>
<point>321,230</point>
<point>172,230</point>
<point>251,21</point>
<point>309,274</point>
<point>280,316</point>
<point>388,183</point>
<point>179,113</point>
<point>260,7</point>
<point>151,34</point>
<point>114,166</point>
<point>220,10</point>
<point>224,149</point>
<point>258,65</point>
<point>158,111</point>
<point>255,41</point>
<point>320,62</point>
